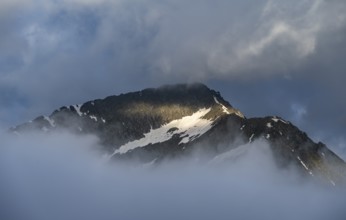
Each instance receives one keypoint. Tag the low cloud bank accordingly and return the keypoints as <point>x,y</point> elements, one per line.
<point>61,176</point>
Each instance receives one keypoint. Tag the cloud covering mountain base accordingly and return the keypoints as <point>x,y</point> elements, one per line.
<point>62,176</point>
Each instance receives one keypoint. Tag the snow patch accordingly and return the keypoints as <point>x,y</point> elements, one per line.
<point>51,121</point>
<point>93,117</point>
<point>77,108</point>
<point>267,136</point>
<point>304,165</point>
<point>188,127</point>
<point>242,127</point>
<point>269,125</point>
<point>250,139</point>
<point>224,108</point>
<point>103,120</point>
<point>275,119</point>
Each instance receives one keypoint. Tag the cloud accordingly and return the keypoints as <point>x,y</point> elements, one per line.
<point>266,38</point>
<point>298,113</point>
<point>61,176</point>
<point>232,39</point>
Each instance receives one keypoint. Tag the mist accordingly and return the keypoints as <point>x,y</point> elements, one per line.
<point>63,176</point>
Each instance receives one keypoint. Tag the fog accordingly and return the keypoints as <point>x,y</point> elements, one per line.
<point>62,176</point>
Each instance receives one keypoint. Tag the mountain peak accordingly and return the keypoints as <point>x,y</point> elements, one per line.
<point>156,123</point>
<point>183,86</point>
<point>185,94</point>
<point>133,114</point>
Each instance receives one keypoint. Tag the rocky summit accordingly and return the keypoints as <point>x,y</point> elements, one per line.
<point>174,121</point>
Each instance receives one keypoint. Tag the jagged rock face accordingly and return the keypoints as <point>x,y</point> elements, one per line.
<point>174,121</point>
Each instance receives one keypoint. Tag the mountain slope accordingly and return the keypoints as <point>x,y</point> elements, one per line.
<point>174,121</point>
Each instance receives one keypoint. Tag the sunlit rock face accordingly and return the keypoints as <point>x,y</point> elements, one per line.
<point>155,125</point>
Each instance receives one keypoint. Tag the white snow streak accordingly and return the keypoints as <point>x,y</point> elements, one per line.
<point>250,139</point>
<point>278,119</point>
<point>51,121</point>
<point>303,163</point>
<point>189,127</point>
<point>269,125</point>
<point>224,108</point>
<point>93,117</point>
<point>77,108</point>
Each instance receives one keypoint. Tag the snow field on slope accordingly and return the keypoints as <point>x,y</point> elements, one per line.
<point>188,127</point>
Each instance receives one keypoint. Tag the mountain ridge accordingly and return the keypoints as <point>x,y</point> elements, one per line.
<point>173,120</point>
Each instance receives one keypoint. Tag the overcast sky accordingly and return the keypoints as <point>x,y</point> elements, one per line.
<point>266,57</point>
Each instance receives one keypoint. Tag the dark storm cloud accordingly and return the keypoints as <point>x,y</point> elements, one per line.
<point>54,53</point>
